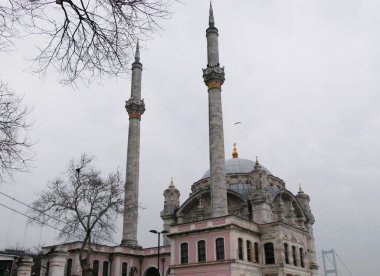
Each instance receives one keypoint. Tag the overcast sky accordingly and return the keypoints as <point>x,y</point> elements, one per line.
<point>302,76</point>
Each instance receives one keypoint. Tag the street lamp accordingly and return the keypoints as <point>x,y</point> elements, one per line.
<point>158,248</point>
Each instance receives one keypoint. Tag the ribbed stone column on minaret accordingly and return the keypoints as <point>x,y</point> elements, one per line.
<point>213,77</point>
<point>135,107</point>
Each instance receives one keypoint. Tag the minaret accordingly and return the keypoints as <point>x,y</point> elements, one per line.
<point>213,77</point>
<point>135,107</point>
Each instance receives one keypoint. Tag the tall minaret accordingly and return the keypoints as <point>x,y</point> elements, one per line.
<point>135,107</point>
<point>213,77</point>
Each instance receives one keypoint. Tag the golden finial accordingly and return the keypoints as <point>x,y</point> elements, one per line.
<point>234,152</point>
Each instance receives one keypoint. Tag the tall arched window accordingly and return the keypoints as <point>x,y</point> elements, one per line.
<point>240,248</point>
<point>68,267</point>
<point>257,259</point>
<point>301,257</point>
<point>105,268</point>
<point>269,253</point>
<point>219,248</point>
<point>201,251</point>
<point>286,251</point>
<point>249,251</point>
<point>294,255</point>
<point>184,253</point>
<point>95,268</point>
<point>124,269</point>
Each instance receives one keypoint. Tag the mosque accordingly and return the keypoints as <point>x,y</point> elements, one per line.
<point>239,220</point>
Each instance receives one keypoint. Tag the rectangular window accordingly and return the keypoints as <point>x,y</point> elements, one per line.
<point>249,251</point>
<point>256,252</point>
<point>201,251</point>
<point>68,267</point>
<point>240,246</point>
<point>124,269</point>
<point>294,256</point>
<point>184,253</point>
<point>286,251</point>
<point>301,257</point>
<point>95,268</point>
<point>269,253</point>
<point>105,268</point>
<point>219,246</point>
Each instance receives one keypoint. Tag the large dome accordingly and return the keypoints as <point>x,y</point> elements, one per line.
<point>238,165</point>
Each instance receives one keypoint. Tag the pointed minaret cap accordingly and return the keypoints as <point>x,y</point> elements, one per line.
<point>211,21</point>
<point>137,53</point>
<point>235,152</point>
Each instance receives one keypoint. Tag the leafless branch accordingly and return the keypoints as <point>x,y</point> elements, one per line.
<point>15,152</point>
<point>87,39</point>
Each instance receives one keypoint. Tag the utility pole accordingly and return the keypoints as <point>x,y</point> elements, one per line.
<point>333,269</point>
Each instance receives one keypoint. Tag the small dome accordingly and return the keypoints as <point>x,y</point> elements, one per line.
<point>238,165</point>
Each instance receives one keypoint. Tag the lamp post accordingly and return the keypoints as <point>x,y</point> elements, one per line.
<point>158,248</point>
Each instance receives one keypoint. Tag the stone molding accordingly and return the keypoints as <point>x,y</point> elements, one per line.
<point>213,76</point>
<point>135,108</point>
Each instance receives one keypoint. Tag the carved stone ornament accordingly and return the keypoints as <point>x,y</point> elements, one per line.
<point>213,76</point>
<point>135,108</point>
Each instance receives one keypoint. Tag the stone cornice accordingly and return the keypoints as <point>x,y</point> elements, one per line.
<point>213,76</point>
<point>135,108</point>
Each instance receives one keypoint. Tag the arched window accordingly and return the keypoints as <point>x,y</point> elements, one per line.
<point>286,251</point>
<point>68,267</point>
<point>184,253</point>
<point>201,251</point>
<point>240,246</point>
<point>294,255</point>
<point>124,269</point>
<point>249,251</point>
<point>269,253</point>
<point>95,268</point>
<point>301,257</point>
<point>219,248</point>
<point>257,260</point>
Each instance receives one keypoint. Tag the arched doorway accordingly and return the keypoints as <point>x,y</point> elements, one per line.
<point>152,271</point>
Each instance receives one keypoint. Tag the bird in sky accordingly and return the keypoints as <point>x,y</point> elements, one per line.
<point>238,123</point>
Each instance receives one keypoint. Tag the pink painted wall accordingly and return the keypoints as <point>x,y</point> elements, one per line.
<point>192,241</point>
<point>221,269</point>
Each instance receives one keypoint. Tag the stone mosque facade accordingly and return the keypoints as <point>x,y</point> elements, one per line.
<point>239,220</point>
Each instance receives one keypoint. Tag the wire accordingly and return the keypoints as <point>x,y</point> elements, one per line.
<point>332,263</point>
<point>31,207</point>
<point>349,272</point>
<point>42,223</point>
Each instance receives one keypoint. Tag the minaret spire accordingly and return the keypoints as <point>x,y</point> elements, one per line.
<point>135,107</point>
<point>137,53</point>
<point>213,77</point>
<point>211,21</point>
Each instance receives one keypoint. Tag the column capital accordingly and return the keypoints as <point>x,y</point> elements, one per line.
<point>135,108</point>
<point>213,76</point>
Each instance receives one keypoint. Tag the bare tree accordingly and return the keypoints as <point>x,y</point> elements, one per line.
<point>84,39</point>
<point>86,203</point>
<point>15,146</point>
